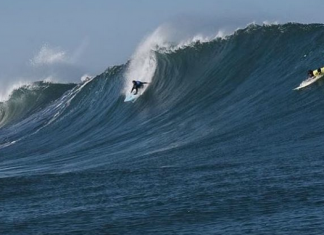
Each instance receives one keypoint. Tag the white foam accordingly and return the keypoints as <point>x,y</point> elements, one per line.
<point>49,55</point>
<point>269,23</point>
<point>143,62</point>
<point>199,38</point>
<point>4,96</point>
<point>165,38</point>
<point>86,77</point>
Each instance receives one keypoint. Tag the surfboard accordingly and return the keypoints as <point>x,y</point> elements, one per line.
<point>130,97</point>
<point>309,81</point>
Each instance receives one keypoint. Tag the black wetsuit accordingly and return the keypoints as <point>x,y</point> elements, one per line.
<point>137,85</point>
<point>310,73</point>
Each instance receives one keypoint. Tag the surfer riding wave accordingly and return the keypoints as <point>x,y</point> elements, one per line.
<point>137,85</point>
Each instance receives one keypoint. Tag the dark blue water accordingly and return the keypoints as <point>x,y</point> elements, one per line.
<point>219,143</point>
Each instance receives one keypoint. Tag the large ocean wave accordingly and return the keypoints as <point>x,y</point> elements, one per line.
<point>223,107</point>
<point>224,89</point>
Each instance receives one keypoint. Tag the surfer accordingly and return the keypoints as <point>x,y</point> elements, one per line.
<point>137,85</point>
<point>310,73</point>
<point>314,73</point>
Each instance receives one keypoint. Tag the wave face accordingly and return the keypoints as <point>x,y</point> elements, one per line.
<point>218,143</point>
<point>29,99</point>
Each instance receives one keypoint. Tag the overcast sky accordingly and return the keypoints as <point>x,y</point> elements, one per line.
<point>91,35</point>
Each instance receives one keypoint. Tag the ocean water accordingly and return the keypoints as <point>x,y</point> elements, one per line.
<point>218,143</point>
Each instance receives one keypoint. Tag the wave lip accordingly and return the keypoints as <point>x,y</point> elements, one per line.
<point>143,63</point>
<point>29,99</point>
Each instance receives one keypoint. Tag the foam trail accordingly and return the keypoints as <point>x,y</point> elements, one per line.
<point>143,63</point>
<point>165,39</point>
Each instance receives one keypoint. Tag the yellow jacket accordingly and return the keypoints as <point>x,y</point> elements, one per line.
<point>317,72</point>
